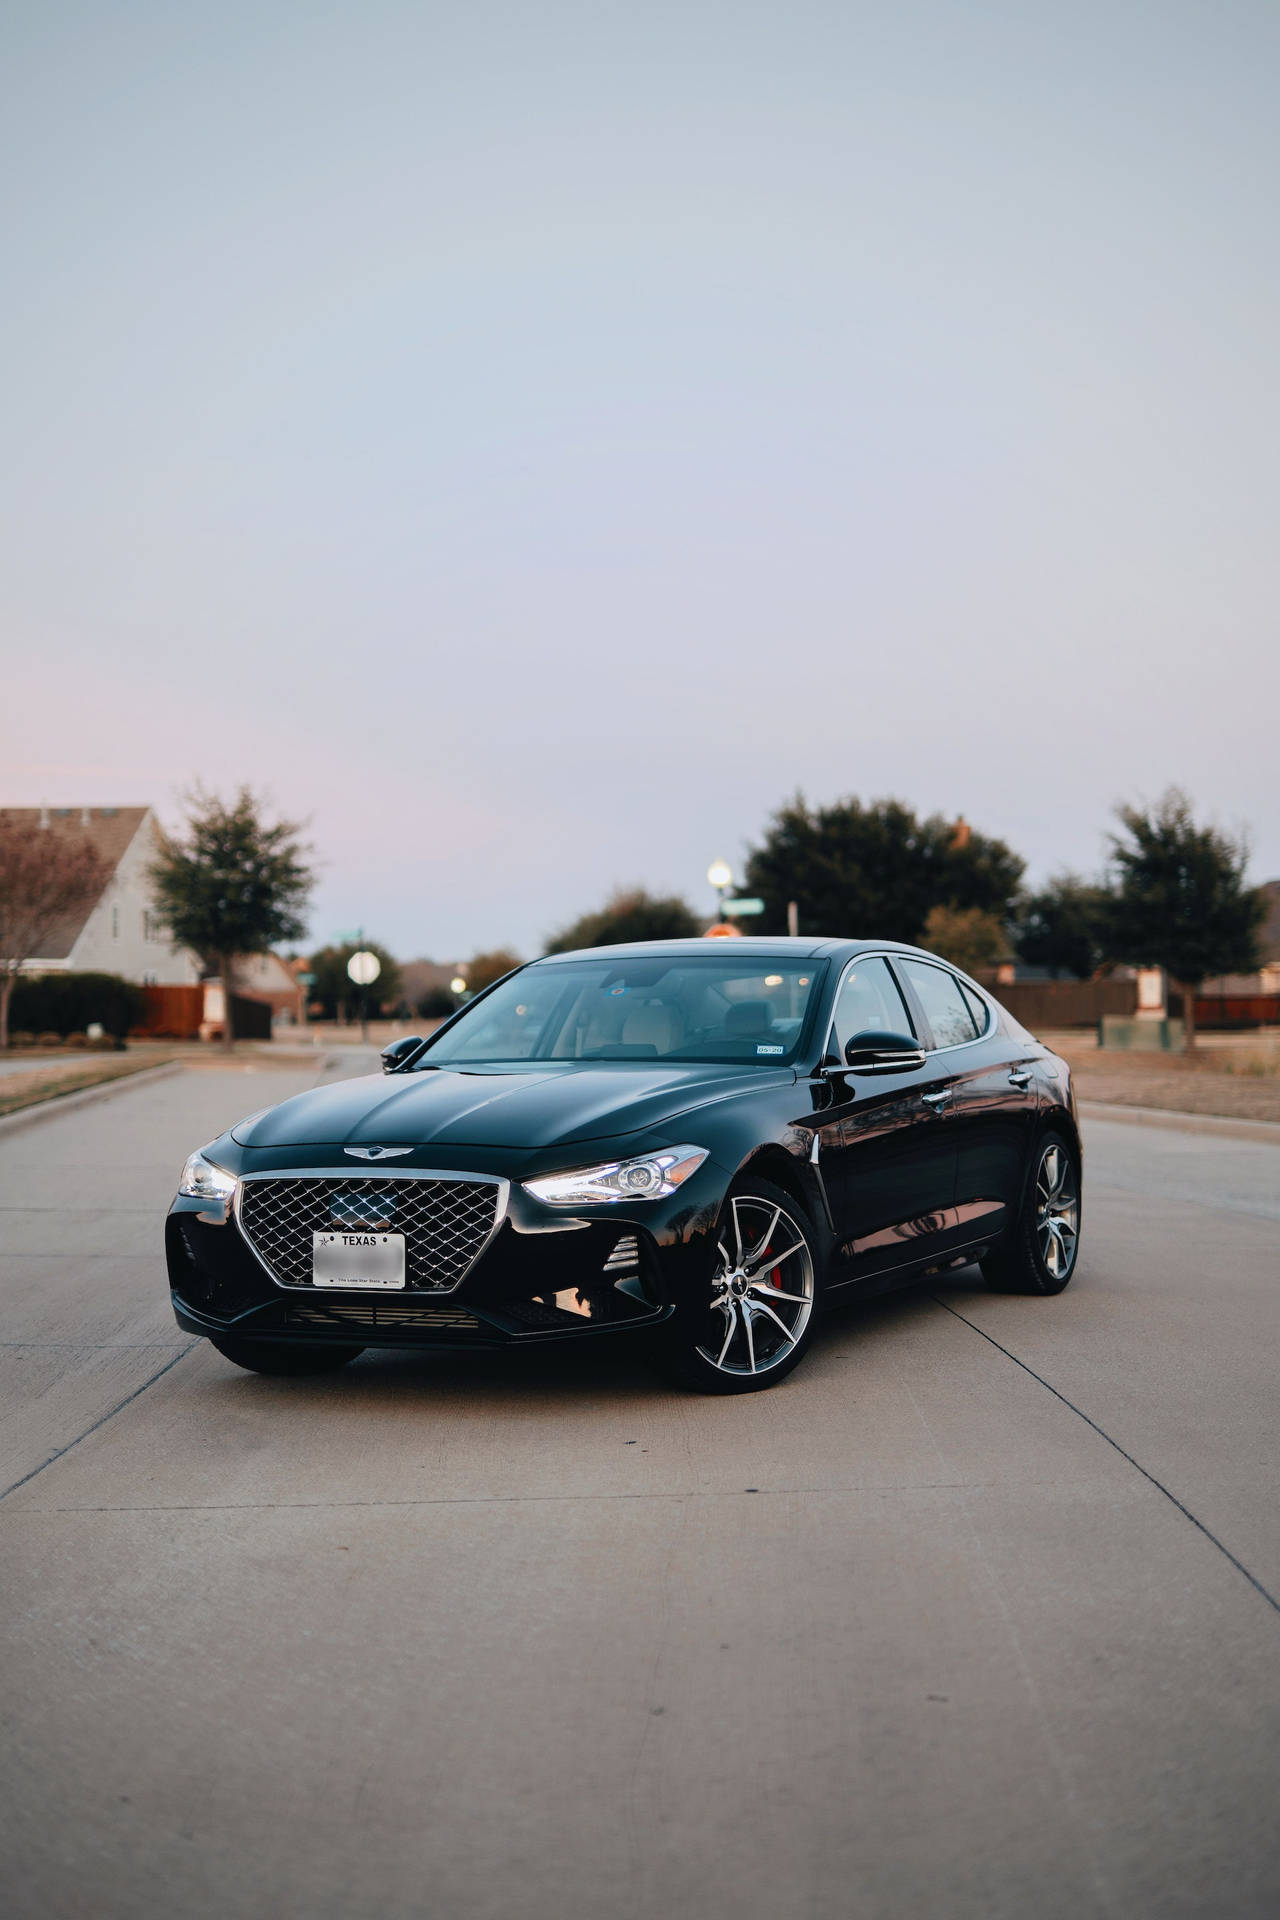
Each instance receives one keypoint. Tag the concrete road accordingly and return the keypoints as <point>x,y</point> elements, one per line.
<point>975,1615</point>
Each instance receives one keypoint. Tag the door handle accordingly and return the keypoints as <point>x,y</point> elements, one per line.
<point>1020,1078</point>
<point>937,1100</point>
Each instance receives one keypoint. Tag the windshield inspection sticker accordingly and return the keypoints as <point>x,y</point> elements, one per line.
<point>770,1049</point>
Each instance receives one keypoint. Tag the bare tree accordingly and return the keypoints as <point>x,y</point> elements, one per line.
<point>46,874</point>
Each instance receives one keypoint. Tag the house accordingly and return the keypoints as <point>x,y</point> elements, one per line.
<point>265,976</point>
<point>120,932</point>
<point>1266,981</point>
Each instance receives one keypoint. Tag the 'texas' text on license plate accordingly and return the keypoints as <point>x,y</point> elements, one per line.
<point>357,1259</point>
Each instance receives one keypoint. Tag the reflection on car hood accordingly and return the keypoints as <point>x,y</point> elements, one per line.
<point>543,1106</point>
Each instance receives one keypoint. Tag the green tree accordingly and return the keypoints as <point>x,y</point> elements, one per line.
<point>629,914</point>
<point>874,869</point>
<point>337,992</point>
<point>484,968</point>
<point>232,884</point>
<point>970,939</point>
<point>1063,927</point>
<point>1180,900</point>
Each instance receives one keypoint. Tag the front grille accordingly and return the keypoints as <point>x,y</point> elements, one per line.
<point>445,1222</point>
<point>408,1316</point>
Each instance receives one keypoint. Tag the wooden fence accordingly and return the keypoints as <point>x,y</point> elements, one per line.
<point>175,1013</point>
<point>1042,1005</point>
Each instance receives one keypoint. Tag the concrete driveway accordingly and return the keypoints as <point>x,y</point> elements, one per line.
<point>975,1615</point>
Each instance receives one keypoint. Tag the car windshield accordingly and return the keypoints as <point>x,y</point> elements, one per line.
<point>689,1007</point>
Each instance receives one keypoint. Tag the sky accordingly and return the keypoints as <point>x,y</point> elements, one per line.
<point>531,442</point>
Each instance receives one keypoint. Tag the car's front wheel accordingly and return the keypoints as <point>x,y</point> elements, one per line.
<point>283,1356</point>
<point>1038,1252</point>
<point>760,1311</point>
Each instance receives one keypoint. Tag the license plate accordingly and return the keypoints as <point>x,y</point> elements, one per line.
<point>357,1260</point>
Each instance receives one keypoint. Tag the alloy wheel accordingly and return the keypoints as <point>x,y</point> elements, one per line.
<point>1057,1210</point>
<point>762,1291</point>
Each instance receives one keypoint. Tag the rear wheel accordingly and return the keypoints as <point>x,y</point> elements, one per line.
<point>1038,1253</point>
<point>283,1356</point>
<point>761,1308</point>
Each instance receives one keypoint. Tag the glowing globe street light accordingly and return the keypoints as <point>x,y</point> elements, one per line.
<point>363,968</point>
<point>720,875</point>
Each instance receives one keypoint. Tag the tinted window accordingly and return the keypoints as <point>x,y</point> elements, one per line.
<point>685,1008</point>
<point>977,1007</point>
<point>869,998</point>
<point>944,1004</point>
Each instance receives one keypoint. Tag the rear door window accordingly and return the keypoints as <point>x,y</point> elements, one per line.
<point>945,1006</point>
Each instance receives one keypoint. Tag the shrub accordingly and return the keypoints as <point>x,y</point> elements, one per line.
<point>49,1039</point>
<point>63,1003</point>
<point>437,1003</point>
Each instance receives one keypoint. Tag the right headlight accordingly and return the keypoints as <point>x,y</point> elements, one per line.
<point>650,1176</point>
<point>203,1180</point>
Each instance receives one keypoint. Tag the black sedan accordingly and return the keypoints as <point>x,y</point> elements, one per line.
<point>700,1141</point>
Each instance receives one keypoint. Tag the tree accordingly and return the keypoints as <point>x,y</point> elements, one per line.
<point>857,870</point>
<point>484,968</point>
<point>966,936</point>
<point>629,914</point>
<point>1063,927</point>
<point>232,884</point>
<point>47,874</point>
<point>338,993</point>
<point>1180,901</point>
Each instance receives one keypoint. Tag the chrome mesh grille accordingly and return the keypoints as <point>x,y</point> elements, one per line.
<point>445,1223</point>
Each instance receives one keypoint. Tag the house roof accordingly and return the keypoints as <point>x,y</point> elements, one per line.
<point>110,830</point>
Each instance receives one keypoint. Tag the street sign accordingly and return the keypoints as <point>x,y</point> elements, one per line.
<point>364,968</point>
<point>743,906</point>
<point>305,979</point>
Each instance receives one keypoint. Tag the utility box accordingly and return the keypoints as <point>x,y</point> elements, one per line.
<point>1140,1034</point>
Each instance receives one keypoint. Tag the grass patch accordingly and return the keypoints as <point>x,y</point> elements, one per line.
<point>18,1090</point>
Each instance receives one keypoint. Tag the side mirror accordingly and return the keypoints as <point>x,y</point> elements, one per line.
<point>874,1051</point>
<point>400,1051</point>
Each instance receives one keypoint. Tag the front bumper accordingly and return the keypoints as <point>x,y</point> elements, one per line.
<point>544,1276</point>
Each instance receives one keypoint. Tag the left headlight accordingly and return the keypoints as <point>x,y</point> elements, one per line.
<point>202,1180</point>
<point>651,1176</point>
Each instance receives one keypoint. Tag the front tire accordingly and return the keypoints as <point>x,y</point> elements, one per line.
<point>759,1316</point>
<point>1039,1251</point>
<point>282,1357</point>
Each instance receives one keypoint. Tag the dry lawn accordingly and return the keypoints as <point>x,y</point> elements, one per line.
<point>1240,1079</point>
<point>18,1090</point>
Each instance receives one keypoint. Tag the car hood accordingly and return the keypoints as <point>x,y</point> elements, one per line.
<point>546,1106</point>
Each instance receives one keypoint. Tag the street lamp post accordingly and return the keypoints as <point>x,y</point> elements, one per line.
<point>364,967</point>
<point>720,875</point>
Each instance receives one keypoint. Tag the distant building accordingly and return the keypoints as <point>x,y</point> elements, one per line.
<point>120,932</point>
<point>1267,978</point>
<point>265,976</point>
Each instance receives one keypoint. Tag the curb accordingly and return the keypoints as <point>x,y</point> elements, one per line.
<point>56,1103</point>
<point>1169,1118</point>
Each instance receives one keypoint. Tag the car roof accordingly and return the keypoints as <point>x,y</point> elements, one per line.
<point>763,946</point>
